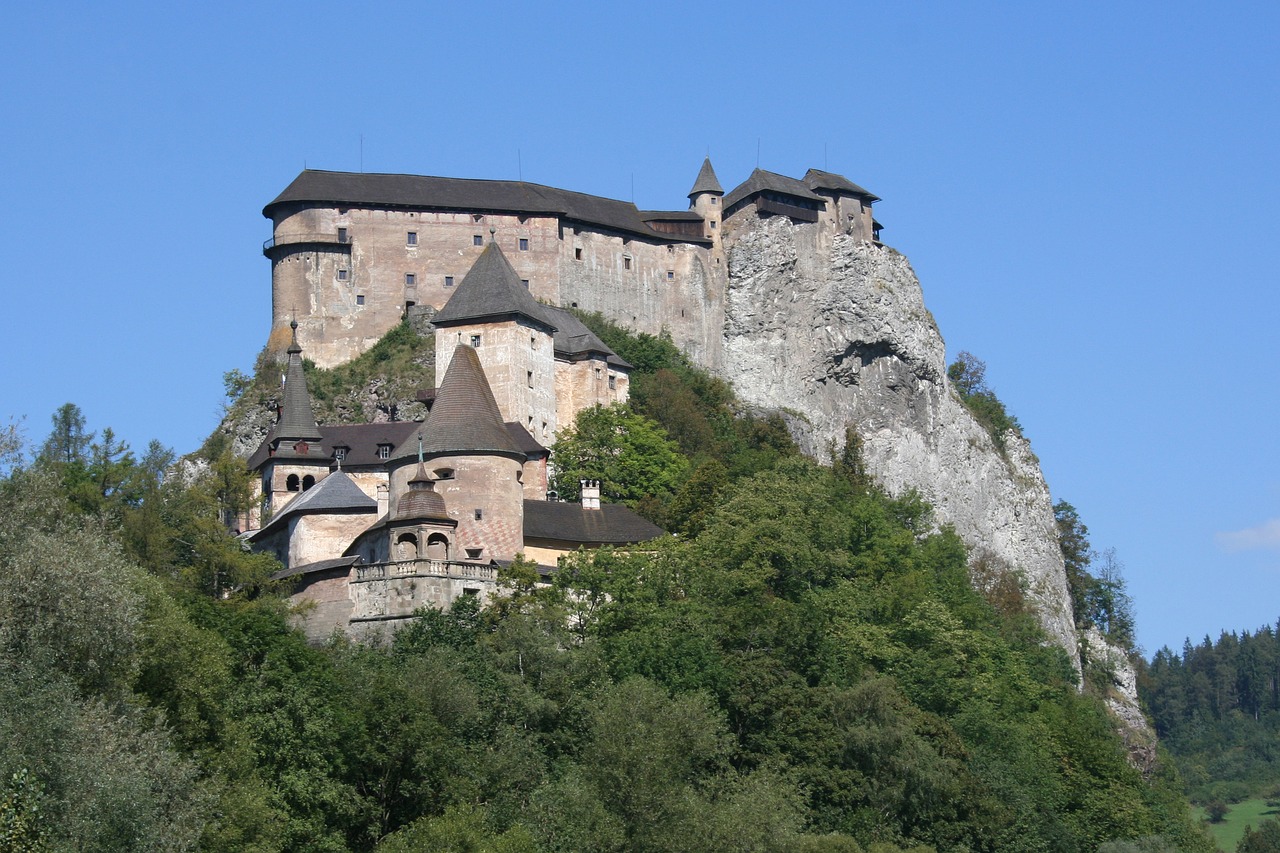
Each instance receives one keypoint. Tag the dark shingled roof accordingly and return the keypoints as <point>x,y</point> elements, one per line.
<point>361,441</point>
<point>671,215</point>
<point>526,442</point>
<point>491,289</point>
<point>312,568</point>
<point>611,524</point>
<point>422,192</point>
<point>336,493</point>
<point>760,181</point>
<point>465,418</point>
<point>296,422</point>
<point>422,501</point>
<point>706,181</point>
<point>818,179</point>
<point>574,338</point>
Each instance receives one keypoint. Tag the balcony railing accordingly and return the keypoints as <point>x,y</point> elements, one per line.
<point>427,569</point>
<point>295,239</point>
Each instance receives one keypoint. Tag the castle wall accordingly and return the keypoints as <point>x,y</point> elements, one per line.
<point>586,383</point>
<point>347,295</point>
<point>324,605</point>
<point>321,536</point>
<point>490,484</point>
<point>519,363</point>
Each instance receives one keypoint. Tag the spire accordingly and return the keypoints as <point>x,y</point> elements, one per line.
<point>297,422</point>
<point>491,289</point>
<point>706,181</point>
<point>465,418</point>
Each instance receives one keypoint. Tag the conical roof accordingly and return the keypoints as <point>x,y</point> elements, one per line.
<point>465,418</point>
<point>491,289</point>
<point>706,181</point>
<point>296,422</point>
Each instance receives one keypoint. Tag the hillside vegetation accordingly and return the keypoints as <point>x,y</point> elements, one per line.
<point>806,668</point>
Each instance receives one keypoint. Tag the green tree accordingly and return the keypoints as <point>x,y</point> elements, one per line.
<point>1264,839</point>
<point>629,454</point>
<point>68,442</point>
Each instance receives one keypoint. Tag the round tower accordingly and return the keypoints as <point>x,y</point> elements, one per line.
<point>705,198</point>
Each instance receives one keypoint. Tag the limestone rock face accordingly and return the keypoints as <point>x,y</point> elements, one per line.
<point>1121,695</point>
<point>835,332</point>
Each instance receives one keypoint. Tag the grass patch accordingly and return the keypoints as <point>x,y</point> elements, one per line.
<point>1227,834</point>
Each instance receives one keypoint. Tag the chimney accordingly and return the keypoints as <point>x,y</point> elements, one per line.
<point>384,499</point>
<point>590,494</point>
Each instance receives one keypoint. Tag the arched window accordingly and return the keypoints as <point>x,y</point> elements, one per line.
<point>291,483</point>
<point>307,482</point>
<point>407,547</point>
<point>437,547</point>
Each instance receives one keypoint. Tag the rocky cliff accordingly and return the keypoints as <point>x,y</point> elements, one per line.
<point>835,331</point>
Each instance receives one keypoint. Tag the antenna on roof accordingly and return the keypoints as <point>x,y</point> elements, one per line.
<point>519,165</point>
<point>362,152</point>
<point>757,152</point>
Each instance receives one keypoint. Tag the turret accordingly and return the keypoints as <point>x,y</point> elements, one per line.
<point>296,460</point>
<point>705,198</point>
<point>474,464</point>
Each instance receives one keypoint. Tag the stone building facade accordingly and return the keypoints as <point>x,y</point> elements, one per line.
<point>352,253</point>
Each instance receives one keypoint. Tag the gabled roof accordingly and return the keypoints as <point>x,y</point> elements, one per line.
<point>820,180</point>
<point>422,192</point>
<point>574,339</point>
<point>762,181</point>
<point>336,493</point>
<point>465,418</point>
<point>490,290</point>
<point>572,524</point>
<point>319,566</point>
<point>706,181</point>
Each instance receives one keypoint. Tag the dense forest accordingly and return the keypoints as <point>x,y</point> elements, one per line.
<point>806,666</point>
<point>1216,706</point>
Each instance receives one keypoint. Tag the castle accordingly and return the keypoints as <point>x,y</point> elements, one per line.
<point>352,253</point>
<point>374,521</point>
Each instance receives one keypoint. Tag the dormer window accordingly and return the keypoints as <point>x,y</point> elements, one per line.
<point>444,473</point>
<point>475,341</point>
<point>339,454</point>
<point>384,451</point>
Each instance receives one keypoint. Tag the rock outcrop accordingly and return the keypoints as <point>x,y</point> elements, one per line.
<point>835,332</point>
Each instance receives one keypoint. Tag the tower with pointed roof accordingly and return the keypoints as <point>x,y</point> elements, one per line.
<point>296,460</point>
<point>475,465</point>
<point>513,336</point>
<point>705,198</point>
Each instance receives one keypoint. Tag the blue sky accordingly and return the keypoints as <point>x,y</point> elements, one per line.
<point>1087,191</point>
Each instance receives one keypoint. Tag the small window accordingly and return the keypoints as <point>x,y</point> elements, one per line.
<point>410,279</point>
<point>384,451</point>
<point>444,473</point>
<point>359,298</point>
<point>671,275</point>
<point>475,340</point>
<point>471,590</point>
<point>339,453</point>
<point>448,281</point>
<point>577,254</point>
<point>292,483</point>
<point>713,225</point>
<point>524,244</point>
<point>626,263</point>
<point>343,275</point>
<point>533,342</point>
<point>307,482</point>
<point>613,382</point>
<point>477,239</point>
<point>525,282</point>
<point>342,235</point>
<point>479,514</point>
<point>715,200</point>
<point>411,239</point>
<point>529,376</point>
<point>474,553</point>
